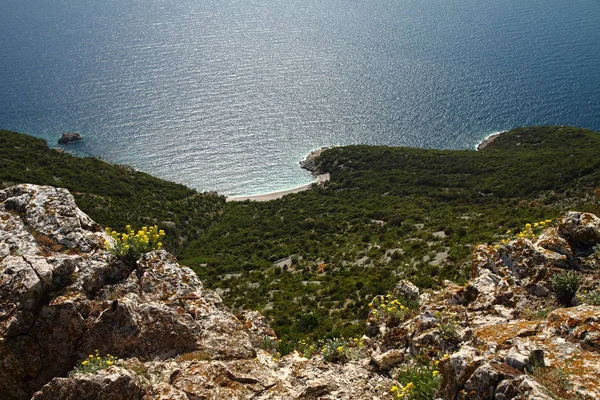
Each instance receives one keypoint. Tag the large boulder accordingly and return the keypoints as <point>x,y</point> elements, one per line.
<point>63,295</point>
<point>113,383</point>
<point>580,229</point>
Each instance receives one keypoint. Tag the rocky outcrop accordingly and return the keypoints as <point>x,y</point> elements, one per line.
<point>512,339</point>
<point>63,296</point>
<point>310,162</point>
<point>69,137</point>
<point>113,383</point>
<point>65,299</point>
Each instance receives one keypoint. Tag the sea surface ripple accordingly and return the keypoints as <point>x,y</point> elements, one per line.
<point>229,95</point>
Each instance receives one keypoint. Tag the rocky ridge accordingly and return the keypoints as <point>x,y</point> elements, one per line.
<point>511,337</point>
<point>64,296</point>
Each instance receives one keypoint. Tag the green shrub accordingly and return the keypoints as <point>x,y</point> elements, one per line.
<point>94,363</point>
<point>390,309</point>
<point>565,285</point>
<point>592,297</point>
<point>338,350</point>
<point>269,344</point>
<point>417,382</point>
<point>131,244</point>
<point>448,327</point>
<point>307,349</point>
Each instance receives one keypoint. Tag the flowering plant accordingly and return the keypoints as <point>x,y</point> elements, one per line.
<point>388,309</point>
<point>94,363</point>
<point>417,382</point>
<point>531,231</point>
<point>134,244</point>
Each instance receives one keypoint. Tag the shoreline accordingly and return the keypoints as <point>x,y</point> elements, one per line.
<point>308,163</point>
<point>489,139</point>
<point>319,180</point>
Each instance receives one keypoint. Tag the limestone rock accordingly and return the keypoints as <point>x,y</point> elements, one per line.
<point>258,327</point>
<point>457,369</point>
<point>517,360</point>
<point>481,384</point>
<point>389,359</point>
<point>407,290</point>
<point>164,391</point>
<point>530,389</point>
<point>538,290</point>
<point>581,229</point>
<point>581,323</point>
<point>61,307</point>
<point>109,384</point>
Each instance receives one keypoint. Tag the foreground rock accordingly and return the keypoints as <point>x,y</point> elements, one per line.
<point>64,297</point>
<point>510,337</point>
<point>69,137</point>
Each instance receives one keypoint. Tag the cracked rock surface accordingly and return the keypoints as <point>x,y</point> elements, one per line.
<point>63,296</point>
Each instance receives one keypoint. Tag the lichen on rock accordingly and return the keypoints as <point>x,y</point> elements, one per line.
<point>65,297</point>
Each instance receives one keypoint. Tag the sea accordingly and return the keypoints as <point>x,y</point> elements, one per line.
<point>229,95</point>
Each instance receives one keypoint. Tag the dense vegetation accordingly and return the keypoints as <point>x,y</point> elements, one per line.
<point>388,213</point>
<point>312,261</point>
<point>112,195</point>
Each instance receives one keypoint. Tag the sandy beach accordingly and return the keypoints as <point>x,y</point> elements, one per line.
<point>320,179</point>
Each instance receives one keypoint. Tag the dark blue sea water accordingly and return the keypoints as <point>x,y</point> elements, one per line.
<point>229,95</point>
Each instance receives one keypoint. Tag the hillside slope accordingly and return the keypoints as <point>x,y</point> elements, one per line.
<point>312,261</point>
<point>112,194</point>
<point>77,322</point>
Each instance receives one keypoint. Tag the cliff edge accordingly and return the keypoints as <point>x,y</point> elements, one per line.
<point>152,331</point>
<point>65,299</point>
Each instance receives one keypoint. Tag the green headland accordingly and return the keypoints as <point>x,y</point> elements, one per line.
<point>312,261</point>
